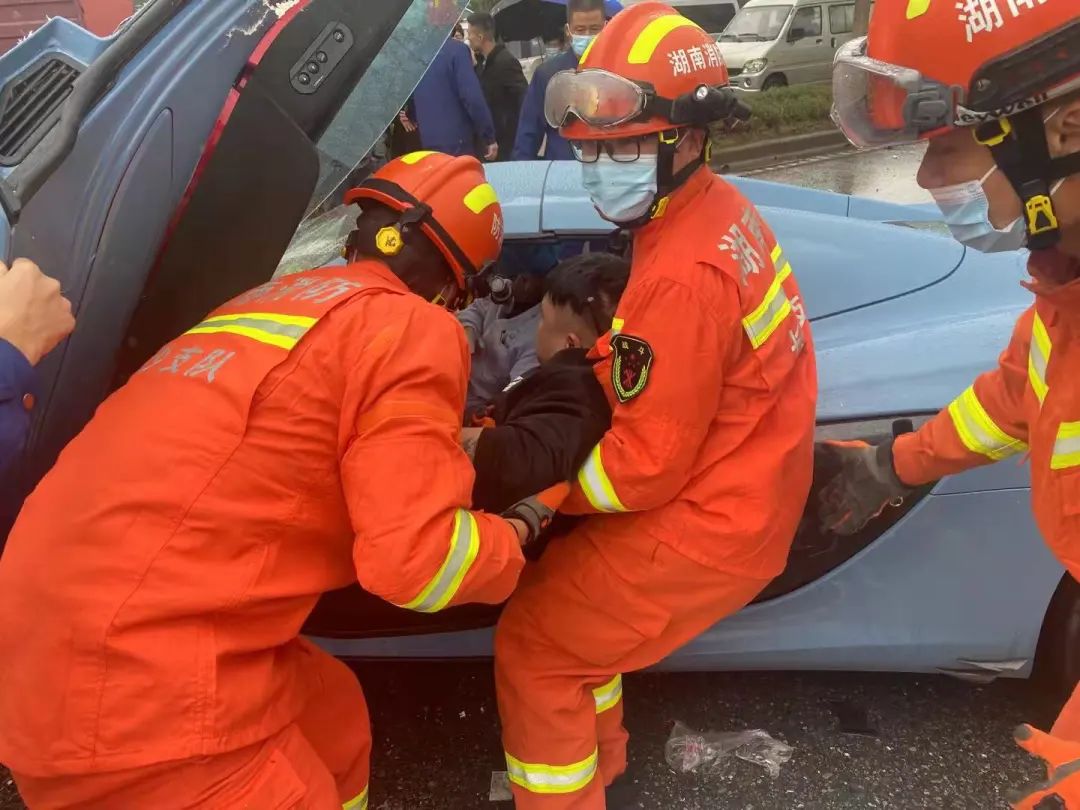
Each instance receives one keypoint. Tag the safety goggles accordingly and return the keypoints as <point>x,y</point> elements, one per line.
<point>598,98</point>
<point>876,103</point>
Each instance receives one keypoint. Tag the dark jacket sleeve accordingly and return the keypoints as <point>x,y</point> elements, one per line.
<point>16,382</point>
<point>546,427</point>
<point>531,125</point>
<point>471,96</point>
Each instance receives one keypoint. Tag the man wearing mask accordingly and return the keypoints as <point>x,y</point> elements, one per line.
<point>584,21</point>
<point>998,99</point>
<point>301,437</point>
<point>501,77</point>
<point>694,495</point>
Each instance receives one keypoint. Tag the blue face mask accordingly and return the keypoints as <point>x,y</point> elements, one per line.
<point>966,209</point>
<point>621,192</point>
<point>581,42</point>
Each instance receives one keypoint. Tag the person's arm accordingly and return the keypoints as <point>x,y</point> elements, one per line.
<point>473,318</point>
<point>408,483</point>
<point>471,96</point>
<point>514,87</point>
<point>16,402</point>
<point>983,425</point>
<point>645,460</point>
<point>530,132</point>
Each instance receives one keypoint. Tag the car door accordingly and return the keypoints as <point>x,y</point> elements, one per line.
<point>163,170</point>
<point>840,18</point>
<point>809,54</point>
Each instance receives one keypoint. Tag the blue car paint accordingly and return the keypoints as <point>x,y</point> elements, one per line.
<point>904,321</point>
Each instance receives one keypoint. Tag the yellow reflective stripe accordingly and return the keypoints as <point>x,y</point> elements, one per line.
<point>588,50</point>
<point>540,778</point>
<point>283,331</point>
<point>617,325</point>
<point>764,321</point>
<point>359,803</point>
<point>979,433</point>
<point>916,8</point>
<point>783,269</point>
<point>650,38</point>
<point>1039,357</point>
<point>481,197</point>
<point>1066,447</point>
<point>608,695</point>
<point>597,486</point>
<point>415,157</point>
<point>464,546</point>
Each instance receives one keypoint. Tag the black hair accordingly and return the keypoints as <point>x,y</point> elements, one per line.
<point>458,31</point>
<point>483,21</point>
<point>420,264</point>
<point>583,7</point>
<point>591,285</point>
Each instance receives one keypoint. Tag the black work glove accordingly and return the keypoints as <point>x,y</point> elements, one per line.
<point>866,484</point>
<point>537,511</point>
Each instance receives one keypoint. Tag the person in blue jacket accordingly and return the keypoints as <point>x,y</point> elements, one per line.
<point>450,108</point>
<point>585,19</point>
<point>34,317</point>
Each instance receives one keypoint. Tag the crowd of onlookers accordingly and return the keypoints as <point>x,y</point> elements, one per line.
<point>475,98</point>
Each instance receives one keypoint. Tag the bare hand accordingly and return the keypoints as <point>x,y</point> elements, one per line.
<point>34,316</point>
<point>492,152</point>
<point>405,122</point>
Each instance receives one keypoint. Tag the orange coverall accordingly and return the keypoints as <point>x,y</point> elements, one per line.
<point>697,489</point>
<point>303,436</point>
<point>1029,404</point>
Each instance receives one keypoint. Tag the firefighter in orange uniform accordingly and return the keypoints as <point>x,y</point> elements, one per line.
<point>994,89</point>
<point>303,436</point>
<point>695,494</point>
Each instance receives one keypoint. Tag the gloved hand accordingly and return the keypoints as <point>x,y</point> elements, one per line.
<point>1061,789</point>
<point>865,485</point>
<point>537,511</point>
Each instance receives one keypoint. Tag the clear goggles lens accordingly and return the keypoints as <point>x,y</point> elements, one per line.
<point>877,104</point>
<point>598,98</point>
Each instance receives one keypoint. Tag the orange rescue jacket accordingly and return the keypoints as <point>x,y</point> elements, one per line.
<point>303,436</point>
<point>1029,404</point>
<point>710,371</point>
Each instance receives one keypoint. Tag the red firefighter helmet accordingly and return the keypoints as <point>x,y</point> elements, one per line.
<point>928,66</point>
<point>649,70</point>
<point>448,198</point>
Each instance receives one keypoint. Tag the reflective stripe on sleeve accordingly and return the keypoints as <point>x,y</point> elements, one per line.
<point>979,433</point>
<point>597,486</point>
<point>1039,357</point>
<point>283,331</point>
<point>764,321</point>
<point>1066,447</point>
<point>608,695</point>
<point>359,803</point>
<point>780,262</point>
<point>539,778</point>
<point>464,546</point>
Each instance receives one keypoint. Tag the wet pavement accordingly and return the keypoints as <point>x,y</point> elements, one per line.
<point>887,174</point>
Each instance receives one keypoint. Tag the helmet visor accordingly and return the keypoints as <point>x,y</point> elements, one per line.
<point>598,98</point>
<point>877,104</point>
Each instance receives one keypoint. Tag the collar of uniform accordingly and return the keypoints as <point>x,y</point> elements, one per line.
<point>1056,280</point>
<point>680,199</point>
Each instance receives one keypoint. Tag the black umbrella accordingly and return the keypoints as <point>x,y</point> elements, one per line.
<point>520,20</point>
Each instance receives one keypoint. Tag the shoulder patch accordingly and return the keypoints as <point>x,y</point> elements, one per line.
<point>632,360</point>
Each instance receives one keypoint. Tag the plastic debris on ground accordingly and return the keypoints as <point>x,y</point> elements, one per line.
<point>500,787</point>
<point>687,751</point>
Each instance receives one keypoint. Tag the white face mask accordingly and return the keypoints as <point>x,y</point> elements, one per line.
<point>621,192</point>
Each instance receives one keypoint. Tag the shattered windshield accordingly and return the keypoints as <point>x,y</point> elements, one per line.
<point>756,24</point>
<point>353,144</point>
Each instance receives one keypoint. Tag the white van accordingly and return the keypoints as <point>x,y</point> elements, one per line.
<point>774,43</point>
<point>712,15</point>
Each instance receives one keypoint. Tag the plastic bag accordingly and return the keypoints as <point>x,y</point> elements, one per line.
<point>687,751</point>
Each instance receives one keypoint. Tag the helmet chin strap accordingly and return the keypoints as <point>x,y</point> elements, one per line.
<point>1020,149</point>
<point>668,181</point>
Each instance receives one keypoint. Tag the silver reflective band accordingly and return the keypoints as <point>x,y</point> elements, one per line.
<point>539,778</point>
<point>764,321</point>
<point>608,695</point>
<point>979,433</point>
<point>1066,447</point>
<point>1039,357</point>
<point>464,546</point>
<point>596,485</point>
<point>283,331</point>
<point>359,803</point>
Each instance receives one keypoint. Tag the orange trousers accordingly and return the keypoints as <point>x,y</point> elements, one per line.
<point>320,762</point>
<point>594,607</point>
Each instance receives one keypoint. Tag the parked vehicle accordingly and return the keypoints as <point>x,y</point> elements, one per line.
<point>772,43</point>
<point>169,186</point>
